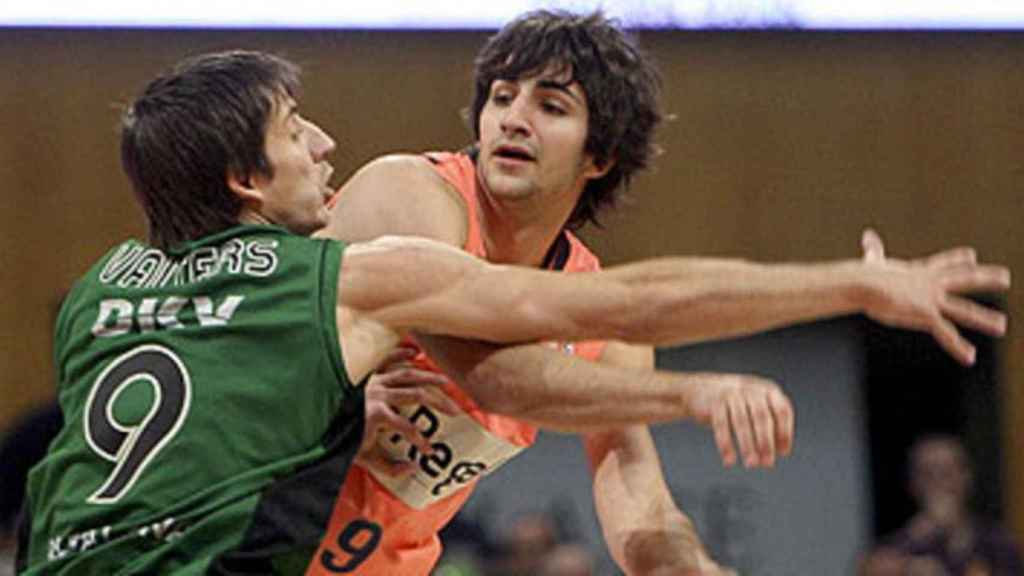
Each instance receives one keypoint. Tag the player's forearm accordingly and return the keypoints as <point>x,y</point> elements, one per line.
<point>677,300</point>
<point>557,391</point>
<point>573,395</point>
<point>694,299</point>
<point>666,544</point>
<point>406,283</point>
<point>645,531</point>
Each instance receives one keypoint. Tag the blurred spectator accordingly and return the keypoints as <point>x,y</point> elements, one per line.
<point>535,544</point>
<point>944,538</point>
<point>568,560</point>
<point>467,545</point>
<point>22,446</point>
<point>527,542</point>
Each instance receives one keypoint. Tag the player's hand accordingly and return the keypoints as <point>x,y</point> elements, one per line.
<point>753,409</point>
<point>925,294</point>
<point>398,383</point>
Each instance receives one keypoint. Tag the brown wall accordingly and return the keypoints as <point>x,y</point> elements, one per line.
<point>784,146</point>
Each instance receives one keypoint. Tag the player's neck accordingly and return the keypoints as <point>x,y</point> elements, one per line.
<point>250,216</point>
<point>519,233</point>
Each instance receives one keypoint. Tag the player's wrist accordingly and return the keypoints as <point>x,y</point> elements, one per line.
<point>856,286</point>
<point>691,395</point>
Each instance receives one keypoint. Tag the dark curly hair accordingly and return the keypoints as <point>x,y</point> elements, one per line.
<point>193,126</point>
<point>621,84</point>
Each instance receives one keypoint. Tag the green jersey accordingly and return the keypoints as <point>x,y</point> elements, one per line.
<point>209,421</point>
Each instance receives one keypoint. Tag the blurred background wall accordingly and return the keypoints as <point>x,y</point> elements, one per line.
<point>784,145</point>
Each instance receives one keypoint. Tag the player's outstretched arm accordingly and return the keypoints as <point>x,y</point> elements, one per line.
<point>730,298</point>
<point>417,284</point>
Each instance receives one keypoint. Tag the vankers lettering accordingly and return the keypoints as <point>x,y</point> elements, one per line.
<point>136,266</point>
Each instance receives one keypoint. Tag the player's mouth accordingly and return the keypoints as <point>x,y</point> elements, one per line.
<point>514,154</point>
<point>325,182</point>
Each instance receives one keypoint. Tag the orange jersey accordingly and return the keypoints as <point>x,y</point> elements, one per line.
<point>389,526</point>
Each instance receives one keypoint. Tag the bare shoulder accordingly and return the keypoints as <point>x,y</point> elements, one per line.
<point>398,194</point>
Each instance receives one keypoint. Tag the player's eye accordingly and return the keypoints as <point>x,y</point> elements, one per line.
<point>553,107</point>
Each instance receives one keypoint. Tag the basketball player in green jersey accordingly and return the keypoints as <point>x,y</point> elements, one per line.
<point>208,378</point>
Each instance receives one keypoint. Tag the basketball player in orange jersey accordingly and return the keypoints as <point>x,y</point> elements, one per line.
<point>564,111</point>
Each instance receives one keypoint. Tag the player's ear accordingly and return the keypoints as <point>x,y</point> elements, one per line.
<point>242,185</point>
<point>592,170</point>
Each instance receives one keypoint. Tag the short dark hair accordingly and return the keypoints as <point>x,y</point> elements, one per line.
<point>621,84</point>
<point>190,128</point>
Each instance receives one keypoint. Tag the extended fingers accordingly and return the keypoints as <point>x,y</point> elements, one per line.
<point>975,316</point>
<point>772,414</point>
<point>977,278</point>
<point>760,417</point>
<point>782,410</point>
<point>739,417</point>
<point>723,434</point>
<point>946,334</point>
<point>764,428</point>
<point>953,257</point>
<point>966,278</point>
